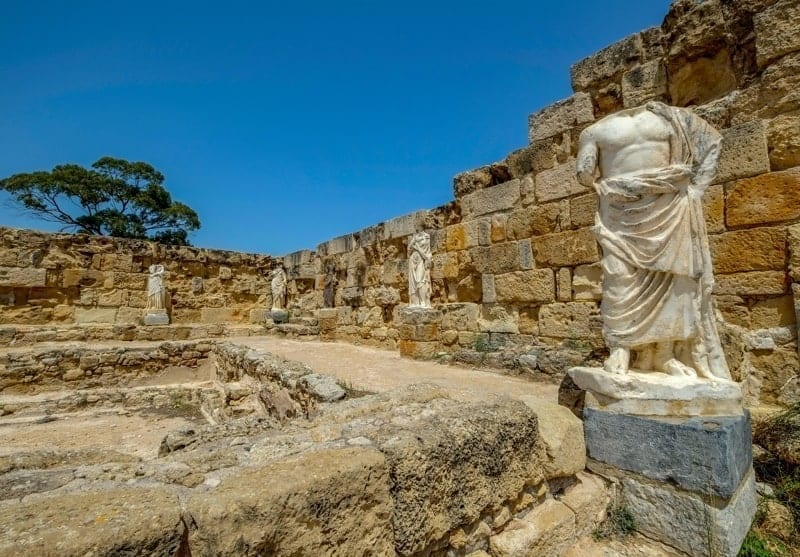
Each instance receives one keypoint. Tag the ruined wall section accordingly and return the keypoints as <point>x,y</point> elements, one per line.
<point>68,279</point>
<point>515,269</point>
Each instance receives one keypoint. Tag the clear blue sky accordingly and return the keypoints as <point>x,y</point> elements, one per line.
<point>284,124</point>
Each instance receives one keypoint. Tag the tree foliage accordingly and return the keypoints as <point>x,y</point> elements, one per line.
<point>114,197</point>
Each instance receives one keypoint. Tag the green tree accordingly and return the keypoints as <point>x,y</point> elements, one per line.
<point>114,197</point>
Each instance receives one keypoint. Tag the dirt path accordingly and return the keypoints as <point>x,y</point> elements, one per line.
<point>377,370</point>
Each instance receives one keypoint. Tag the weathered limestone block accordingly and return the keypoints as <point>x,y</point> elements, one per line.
<point>560,117</point>
<point>95,315</point>
<point>777,31</point>
<point>118,262</point>
<point>218,315</point>
<point>582,210</point>
<point>109,522</point>
<point>765,250</point>
<point>754,283</point>
<point>548,529</point>
<point>549,218</point>
<point>570,320</point>
<point>769,198</point>
<point>687,521</point>
<point>382,296</point>
<point>450,467</point>
<point>574,247</point>
<point>536,285</point>
<point>82,277</point>
<point>496,318</point>
<point>405,225</point>
<point>714,209</point>
<point>559,182</point>
<point>692,29</point>
<point>538,156</point>
<point>419,350</point>
<point>587,282</point>
<point>480,178</point>
<point>460,317</point>
<point>562,434</point>
<point>609,63</point>
<point>644,83</point>
<point>588,498</point>
<point>794,251</point>
<point>525,254</point>
<point>498,258</point>
<point>496,198</point>
<point>564,284</point>
<point>23,276</point>
<point>302,505</point>
<point>488,290</point>
<point>783,139</point>
<point>744,151</point>
<point>341,244</point>
<point>703,79</point>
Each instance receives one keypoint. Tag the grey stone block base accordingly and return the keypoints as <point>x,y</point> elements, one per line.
<point>687,481</point>
<point>279,315</point>
<point>156,317</point>
<point>706,454</point>
<point>699,525</point>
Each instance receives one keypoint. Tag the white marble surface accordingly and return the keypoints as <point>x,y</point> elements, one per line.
<point>278,288</point>
<point>156,290</point>
<point>650,166</point>
<point>419,270</point>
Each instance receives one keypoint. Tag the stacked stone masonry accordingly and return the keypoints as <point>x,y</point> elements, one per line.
<point>515,265</point>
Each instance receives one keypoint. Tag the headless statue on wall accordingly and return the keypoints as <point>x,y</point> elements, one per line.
<point>156,290</point>
<point>278,288</point>
<point>419,270</point>
<point>650,166</point>
<point>329,290</point>
<point>157,300</point>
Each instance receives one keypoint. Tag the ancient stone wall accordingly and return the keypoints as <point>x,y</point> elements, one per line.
<point>515,266</point>
<point>68,279</point>
<point>515,273</point>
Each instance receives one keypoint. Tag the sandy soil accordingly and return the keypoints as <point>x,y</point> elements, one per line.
<point>377,370</point>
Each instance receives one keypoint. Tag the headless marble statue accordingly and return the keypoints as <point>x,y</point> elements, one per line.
<point>650,166</point>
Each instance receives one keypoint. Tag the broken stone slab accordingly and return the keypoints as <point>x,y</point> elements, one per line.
<point>657,394</point>
<point>562,434</point>
<point>708,455</point>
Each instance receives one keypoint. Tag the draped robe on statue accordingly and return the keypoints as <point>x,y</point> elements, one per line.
<point>656,261</point>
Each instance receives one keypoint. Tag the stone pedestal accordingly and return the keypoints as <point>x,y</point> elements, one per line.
<point>420,332</point>
<point>156,317</point>
<point>327,319</point>
<point>682,451</point>
<point>279,316</point>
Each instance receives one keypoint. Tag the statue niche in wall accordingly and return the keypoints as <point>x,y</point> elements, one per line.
<point>156,308</point>
<point>650,166</point>
<point>419,270</point>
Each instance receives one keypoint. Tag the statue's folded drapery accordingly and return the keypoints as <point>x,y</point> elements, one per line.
<point>656,261</point>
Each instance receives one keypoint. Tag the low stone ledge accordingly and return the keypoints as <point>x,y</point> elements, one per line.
<point>319,503</point>
<point>129,521</point>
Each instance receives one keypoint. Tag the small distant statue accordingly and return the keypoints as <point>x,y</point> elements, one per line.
<point>156,291</point>
<point>278,287</point>
<point>650,166</point>
<point>155,312</point>
<point>329,290</point>
<point>419,270</point>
